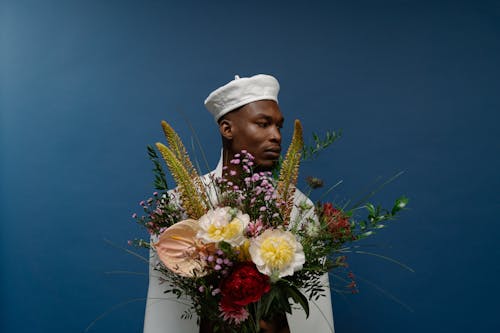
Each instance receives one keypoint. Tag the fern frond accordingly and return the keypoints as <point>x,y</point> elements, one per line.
<point>190,195</point>
<point>290,170</point>
<point>180,152</point>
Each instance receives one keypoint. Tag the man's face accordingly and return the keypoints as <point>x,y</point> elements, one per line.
<point>256,127</point>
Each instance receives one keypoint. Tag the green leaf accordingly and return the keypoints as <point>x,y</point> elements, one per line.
<point>371,208</point>
<point>160,181</point>
<point>366,234</point>
<point>284,304</point>
<point>268,300</point>
<point>400,204</point>
<point>310,151</point>
<point>299,298</point>
<point>362,225</point>
<point>225,247</point>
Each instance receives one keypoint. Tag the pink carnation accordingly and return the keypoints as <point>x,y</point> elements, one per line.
<point>233,314</point>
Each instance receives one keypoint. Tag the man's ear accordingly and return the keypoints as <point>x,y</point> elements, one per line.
<point>226,129</point>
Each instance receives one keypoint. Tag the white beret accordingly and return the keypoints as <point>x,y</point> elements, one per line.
<point>241,91</point>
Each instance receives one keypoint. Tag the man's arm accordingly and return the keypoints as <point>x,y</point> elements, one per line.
<point>320,312</point>
<point>163,311</point>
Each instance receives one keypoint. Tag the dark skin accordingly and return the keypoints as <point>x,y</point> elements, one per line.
<point>256,128</point>
<point>278,324</point>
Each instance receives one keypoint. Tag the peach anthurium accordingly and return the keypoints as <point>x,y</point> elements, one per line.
<point>180,251</point>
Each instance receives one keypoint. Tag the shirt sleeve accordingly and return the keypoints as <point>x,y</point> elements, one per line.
<point>164,311</point>
<point>320,312</point>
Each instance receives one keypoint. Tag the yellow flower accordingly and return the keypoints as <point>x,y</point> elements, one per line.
<point>244,253</point>
<point>223,224</point>
<point>277,253</point>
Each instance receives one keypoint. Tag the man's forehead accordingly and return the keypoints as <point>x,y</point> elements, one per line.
<point>263,108</point>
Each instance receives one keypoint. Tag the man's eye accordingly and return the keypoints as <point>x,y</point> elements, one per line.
<point>263,124</point>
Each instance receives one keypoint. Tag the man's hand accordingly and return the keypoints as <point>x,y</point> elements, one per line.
<point>278,324</point>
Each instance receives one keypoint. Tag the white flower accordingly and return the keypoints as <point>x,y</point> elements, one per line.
<point>277,253</point>
<point>311,226</point>
<point>312,229</point>
<point>223,224</point>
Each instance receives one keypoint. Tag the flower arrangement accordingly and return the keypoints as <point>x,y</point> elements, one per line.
<point>245,246</point>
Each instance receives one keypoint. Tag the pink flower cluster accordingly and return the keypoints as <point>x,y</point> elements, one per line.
<point>253,193</point>
<point>158,213</point>
<point>218,262</point>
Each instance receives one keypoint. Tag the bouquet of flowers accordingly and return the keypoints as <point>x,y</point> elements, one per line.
<point>246,246</point>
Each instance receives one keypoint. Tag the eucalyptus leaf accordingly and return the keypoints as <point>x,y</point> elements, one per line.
<point>366,234</point>
<point>371,208</point>
<point>400,204</point>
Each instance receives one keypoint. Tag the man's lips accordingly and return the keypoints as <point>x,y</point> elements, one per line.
<point>275,151</point>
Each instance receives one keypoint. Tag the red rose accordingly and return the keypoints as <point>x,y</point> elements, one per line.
<point>337,221</point>
<point>244,285</point>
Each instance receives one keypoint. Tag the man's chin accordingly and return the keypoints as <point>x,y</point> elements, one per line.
<point>265,165</point>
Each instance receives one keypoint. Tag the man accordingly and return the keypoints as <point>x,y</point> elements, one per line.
<point>249,118</point>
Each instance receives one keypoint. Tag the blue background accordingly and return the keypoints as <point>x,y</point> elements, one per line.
<point>413,85</point>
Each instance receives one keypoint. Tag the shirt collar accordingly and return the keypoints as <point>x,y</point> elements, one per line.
<point>218,169</point>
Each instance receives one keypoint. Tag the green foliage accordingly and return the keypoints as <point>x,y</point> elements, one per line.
<point>160,181</point>
<point>377,215</point>
<point>277,300</point>
<point>226,248</point>
<point>311,151</point>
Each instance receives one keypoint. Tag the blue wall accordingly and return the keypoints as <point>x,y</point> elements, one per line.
<point>413,85</point>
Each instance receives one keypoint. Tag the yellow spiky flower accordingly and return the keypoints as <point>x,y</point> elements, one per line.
<point>177,147</point>
<point>290,170</point>
<point>191,197</point>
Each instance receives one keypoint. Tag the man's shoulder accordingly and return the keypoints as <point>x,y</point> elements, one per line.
<point>301,197</point>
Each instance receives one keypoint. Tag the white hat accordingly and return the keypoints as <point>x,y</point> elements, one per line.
<point>241,91</point>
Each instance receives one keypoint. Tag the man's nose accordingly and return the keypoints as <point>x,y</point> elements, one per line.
<point>276,134</point>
